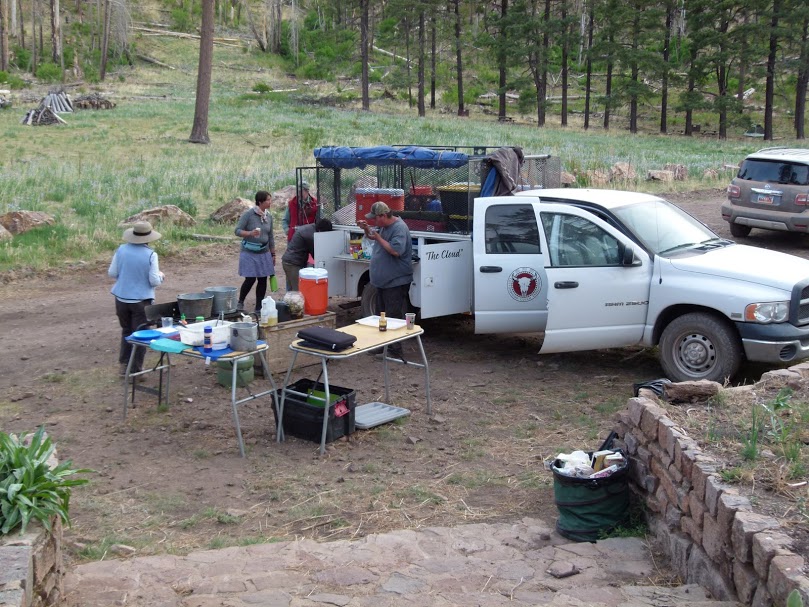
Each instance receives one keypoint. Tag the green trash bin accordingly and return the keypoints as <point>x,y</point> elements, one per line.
<point>590,507</point>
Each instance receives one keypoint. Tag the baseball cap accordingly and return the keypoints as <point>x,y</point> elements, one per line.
<point>377,209</point>
<point>304,185</point>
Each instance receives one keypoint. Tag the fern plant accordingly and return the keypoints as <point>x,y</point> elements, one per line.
<point>29,488</point>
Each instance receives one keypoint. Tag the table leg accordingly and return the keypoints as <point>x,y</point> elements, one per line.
<point>385,373</point>
<point>426,375</point>
<point>326,406</point>
<point>262,356</point>
<point>235,364</point>
<point>126,381</point>
<point>279,434</point>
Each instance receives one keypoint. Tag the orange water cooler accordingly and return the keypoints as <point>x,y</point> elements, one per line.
<point>313,283</point>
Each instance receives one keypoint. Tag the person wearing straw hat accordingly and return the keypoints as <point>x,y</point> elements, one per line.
<point>136,272</point>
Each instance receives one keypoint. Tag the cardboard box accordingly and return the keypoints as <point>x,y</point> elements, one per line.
<point>281,335</point>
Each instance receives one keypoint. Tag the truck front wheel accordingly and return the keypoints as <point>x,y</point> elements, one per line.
<point>700,346</point>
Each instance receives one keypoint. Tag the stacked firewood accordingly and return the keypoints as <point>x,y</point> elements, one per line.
<point>93,101</point>
<point>41,116</point>
<point>59,102</point>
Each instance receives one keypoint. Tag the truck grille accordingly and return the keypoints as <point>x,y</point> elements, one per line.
<point>799,308</point>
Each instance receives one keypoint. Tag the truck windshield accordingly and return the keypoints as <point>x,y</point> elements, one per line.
<point>662,227</point>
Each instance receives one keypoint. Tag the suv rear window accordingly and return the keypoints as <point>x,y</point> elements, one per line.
<point>774,171</point>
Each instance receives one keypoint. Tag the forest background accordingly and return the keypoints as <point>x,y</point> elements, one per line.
<point>666,65</point>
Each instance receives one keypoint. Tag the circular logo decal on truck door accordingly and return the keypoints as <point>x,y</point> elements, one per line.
<point>524,284</point>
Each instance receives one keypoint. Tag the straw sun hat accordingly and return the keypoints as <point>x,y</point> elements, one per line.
<point>141,233</point>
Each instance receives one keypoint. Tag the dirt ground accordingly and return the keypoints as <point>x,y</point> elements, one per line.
<point>172,480</point>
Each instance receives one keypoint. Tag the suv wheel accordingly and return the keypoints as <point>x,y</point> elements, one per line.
<point>739,231</point>
<point>698,346</point>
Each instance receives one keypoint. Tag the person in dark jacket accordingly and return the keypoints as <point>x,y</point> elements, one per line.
<point>257,256</point>
<point>136,272</point>
<point>300,248</point>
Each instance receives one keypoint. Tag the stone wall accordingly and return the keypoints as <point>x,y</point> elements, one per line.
<point>710,532</point>
<point>31,570</point>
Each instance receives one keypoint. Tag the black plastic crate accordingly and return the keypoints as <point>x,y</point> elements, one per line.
<point>303,415</point>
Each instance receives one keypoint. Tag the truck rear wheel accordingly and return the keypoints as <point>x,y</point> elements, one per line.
<point>700,346</point>
<point>369,301</point>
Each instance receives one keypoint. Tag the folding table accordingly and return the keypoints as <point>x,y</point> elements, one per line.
<point>164,364</point>
<point>368,339</point>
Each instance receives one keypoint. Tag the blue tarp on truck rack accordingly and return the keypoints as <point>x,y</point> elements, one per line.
<point>340,157</point>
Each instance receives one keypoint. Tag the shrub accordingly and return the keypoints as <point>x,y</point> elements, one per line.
<point>260,87</point>
<point>29,488</point>
<point>49,72</point>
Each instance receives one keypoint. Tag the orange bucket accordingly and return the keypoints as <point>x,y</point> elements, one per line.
<point>313,283</point>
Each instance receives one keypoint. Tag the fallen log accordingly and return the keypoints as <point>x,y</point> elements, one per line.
<point>155,61</point>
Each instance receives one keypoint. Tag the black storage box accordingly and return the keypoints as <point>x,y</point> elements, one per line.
<point>303,417</point>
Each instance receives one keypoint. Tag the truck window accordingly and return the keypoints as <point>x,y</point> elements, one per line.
<point>512,228</point>
<point>575,241</point>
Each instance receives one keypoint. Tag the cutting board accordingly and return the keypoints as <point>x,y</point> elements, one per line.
<point>165,344</point>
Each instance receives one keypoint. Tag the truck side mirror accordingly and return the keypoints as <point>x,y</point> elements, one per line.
<point>628,256</point>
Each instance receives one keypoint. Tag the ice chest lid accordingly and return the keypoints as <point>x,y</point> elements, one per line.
<point>313,274</point>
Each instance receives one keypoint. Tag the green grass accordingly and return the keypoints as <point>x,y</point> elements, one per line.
<point>104,166</point>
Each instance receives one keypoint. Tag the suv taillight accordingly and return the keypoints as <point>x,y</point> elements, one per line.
<point>734,191</point>
<point>801,200</point>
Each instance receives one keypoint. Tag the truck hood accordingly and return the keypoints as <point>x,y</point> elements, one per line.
<point>748,264</point>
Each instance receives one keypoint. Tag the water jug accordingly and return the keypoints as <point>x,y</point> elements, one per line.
<point>269,313</point>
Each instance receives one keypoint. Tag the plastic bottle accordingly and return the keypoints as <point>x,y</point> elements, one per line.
<point>269,313</point>
<point>207,340</point>
<point>383,322</point>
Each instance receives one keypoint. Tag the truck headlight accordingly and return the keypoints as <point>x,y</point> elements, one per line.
<point>775,311</point>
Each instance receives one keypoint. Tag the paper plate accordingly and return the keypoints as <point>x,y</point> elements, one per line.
<point>147,334</point>
<point>373,321</point>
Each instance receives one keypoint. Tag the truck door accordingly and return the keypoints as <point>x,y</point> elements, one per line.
<point>511,286</point>
<point>597,298</point>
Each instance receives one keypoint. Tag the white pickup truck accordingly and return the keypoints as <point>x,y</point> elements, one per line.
<point>596,269</point>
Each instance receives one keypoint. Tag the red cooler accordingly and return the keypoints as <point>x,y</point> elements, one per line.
<point>365,198</point>
<point>396,200</point>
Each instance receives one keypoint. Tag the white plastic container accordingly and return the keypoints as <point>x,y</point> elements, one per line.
<point>269,313</point>
<point>193,334</point>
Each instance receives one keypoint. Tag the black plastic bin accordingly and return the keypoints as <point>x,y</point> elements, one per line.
<point>591,507</point>
<point>303,411</point>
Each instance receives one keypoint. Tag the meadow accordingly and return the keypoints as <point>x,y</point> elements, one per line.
<point>104,166</point>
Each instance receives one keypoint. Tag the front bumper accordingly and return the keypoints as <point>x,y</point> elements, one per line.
<point>774,343</point>
<point>767,218</point>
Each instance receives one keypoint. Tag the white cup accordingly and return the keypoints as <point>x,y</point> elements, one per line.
<point>410,320</point>
<point>167,321</point>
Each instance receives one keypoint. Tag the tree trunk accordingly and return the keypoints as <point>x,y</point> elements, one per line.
<point>34,55</point>
<point>56,32</point>
<point>21,29</point>
<point>543,65</point>
<point>422,59</point>
<point>199,131</point>
<point>803,82</point>
<point>769,95</point>
<point>105,39</point>
<point>407,55</point>
<point>565,59</point>
<point>13,19</point>
<point>501,62</point>
<point>607,93</point>
<point>432,62</point>
<point>4,34</point>
<point>459,57</point>
<point>589,67</point>
<point>633,98</point>
<point>664,87</point>
<point>366,97</point>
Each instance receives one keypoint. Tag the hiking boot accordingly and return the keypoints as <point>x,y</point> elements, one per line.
<point>240,306</point>
<point>122,370</point>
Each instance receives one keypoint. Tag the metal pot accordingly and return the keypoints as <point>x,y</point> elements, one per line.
<point>243,336</point>
<point>224,299</point>
<point>195,304</point>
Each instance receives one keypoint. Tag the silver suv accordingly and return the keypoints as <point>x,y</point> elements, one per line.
<point>770,191</point>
